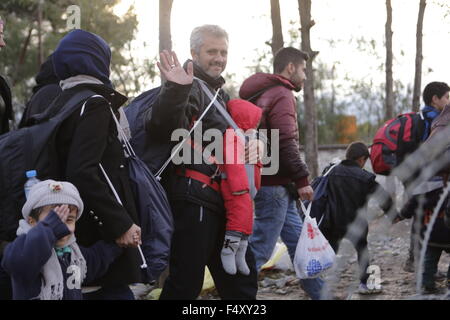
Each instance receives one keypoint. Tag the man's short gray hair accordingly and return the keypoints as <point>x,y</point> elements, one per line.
<point>207,29</point>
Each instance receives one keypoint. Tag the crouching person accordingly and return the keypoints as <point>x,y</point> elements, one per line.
<point>45,261</point>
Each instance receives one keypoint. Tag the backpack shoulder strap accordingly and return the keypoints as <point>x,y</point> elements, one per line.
<point>421,114</point>
<point>66,109</point>
<point>331,168</point>
<point>232,123</point>
<point>260,93</point>
<point>219,107</point>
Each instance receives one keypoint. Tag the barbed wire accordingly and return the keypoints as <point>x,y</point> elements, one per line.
<point>428,160</point>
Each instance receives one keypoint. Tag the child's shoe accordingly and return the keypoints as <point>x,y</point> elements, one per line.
<point>364,289</point>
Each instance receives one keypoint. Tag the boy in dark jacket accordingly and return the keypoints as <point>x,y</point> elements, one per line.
<point>349,187</point>
<point>44,261</point>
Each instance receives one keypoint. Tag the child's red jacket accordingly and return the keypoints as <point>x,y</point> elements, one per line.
<point>235,187</point>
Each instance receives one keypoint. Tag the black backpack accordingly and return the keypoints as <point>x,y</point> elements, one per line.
<point>322,207</point>
<point>153,153</point>
<point>155,215</point>
<point>31,148</point>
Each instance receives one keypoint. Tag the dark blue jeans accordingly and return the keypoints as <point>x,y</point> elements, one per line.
<point>432,256</point>
<point>276,215</point>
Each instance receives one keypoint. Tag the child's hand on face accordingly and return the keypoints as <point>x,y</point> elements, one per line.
<point>62,212</point>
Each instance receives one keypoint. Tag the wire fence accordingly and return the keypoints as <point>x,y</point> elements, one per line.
<point>427,161</point>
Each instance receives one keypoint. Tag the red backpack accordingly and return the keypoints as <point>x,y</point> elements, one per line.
<point>397,138</point>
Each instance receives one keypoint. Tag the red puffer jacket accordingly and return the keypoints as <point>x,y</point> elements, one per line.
<point>279,112</point>
<point>235,188</point>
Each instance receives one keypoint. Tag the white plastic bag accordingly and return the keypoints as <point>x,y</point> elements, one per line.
<point>314,254</point>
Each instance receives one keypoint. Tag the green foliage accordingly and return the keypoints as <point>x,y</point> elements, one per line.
<point>444,5</point>
<point>337,94</point>
<point>326,88</point>
<point>231,86</point>
<point>263,60</point>
<point>19,61</point>
<point>366,96</point>
<point>329,108</point>
<point>366,131</point>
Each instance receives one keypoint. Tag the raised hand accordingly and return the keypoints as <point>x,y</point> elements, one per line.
<point>62,212</point>
<point>172,70</point>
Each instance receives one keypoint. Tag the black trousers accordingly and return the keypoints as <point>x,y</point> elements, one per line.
<point>430,267</point>
<point>197,242</point>
<point>362,251</point>
<point>415,246</point>
<point>5,284</point>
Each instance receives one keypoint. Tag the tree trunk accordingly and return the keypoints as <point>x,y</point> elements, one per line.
<point>40,45</point>
<point>22,56</point>
<point>311,141</point>
<point>165,39</point>
<point>419,58</point>
<point>389,57</point>
<point>333,89</point>
<point>277,37</point>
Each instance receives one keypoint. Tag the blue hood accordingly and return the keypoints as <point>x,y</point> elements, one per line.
<point>430,113</point>
<point>82,52</point>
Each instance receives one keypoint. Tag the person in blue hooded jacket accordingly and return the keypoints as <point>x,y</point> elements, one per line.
<point>45,261</point>
<point>435,97</point>
<point>87,143</point>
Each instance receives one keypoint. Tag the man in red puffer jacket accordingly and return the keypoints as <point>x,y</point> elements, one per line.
<point>276,212</point>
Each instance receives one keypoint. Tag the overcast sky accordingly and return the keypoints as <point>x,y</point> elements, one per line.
<point>249,27</point>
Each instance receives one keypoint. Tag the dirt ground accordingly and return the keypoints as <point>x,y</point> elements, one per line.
<point>388,248</point>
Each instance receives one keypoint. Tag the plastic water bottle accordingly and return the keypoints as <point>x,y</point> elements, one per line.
<point>32,180</point>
